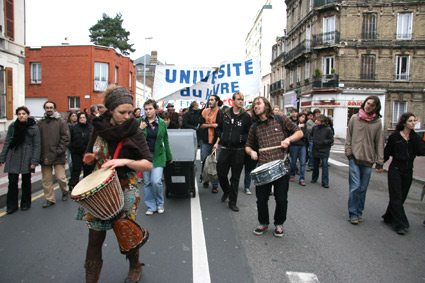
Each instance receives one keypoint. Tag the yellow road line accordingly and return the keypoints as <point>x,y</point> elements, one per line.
<point>32,199</point>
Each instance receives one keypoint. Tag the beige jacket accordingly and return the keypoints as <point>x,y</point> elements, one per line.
<point>365,142</point>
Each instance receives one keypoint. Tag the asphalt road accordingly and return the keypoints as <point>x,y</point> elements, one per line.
<point>201,240</point>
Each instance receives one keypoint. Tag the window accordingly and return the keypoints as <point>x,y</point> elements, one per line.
<point>308,38</point>
<point>369,26</point>
<point>100,76</point>
<point>307,71</point>
<point>129,83</point>
<point>298,74</point>
<point>404,26</point>
<point>291,77</point>
<point>74,102</point>
<point>2,92</point>
<point>329,29</point>
<point>9,19</point>
<point>116,75</point>
<point>402,68</point>
<point>35,73</point>
<point>327,65</point>
<point>368,67</point>
<point>399,107</point>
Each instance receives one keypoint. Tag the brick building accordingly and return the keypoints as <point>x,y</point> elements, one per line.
<point>74,76</point>
<point>339,52</point>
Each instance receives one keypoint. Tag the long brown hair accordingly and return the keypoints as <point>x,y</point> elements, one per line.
<point>267,108</point>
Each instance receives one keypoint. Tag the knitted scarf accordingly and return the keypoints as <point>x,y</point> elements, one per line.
<point>19,132</point>
<point>366,117</point>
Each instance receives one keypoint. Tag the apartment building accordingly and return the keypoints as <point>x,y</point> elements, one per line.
<point>74,76</point>
<point>339,52</point>
<point>267,24</point>
<point>12,58</point>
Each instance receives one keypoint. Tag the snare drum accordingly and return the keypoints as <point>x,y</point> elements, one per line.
<point>269,172</point>
<point>100,193</point>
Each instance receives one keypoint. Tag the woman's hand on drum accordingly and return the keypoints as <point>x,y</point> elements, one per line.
<point>89,158</point>
<point>113,163</point>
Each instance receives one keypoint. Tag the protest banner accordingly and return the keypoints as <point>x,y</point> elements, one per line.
<point>199,83</point>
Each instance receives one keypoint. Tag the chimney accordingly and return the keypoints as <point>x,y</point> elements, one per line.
<point>154,57</point>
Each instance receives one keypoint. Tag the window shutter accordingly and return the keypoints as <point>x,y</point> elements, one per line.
<point>9,16</point>
<point>9,93</point>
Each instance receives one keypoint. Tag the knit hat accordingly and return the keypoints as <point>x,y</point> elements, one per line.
<point>118,96</point>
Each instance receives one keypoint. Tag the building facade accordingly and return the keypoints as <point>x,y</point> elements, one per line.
<point>74,76</point>
<point>12,58</point>
<point>268,23</point>
<point>339,52</point>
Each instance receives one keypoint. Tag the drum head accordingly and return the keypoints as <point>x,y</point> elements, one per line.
<point>265,166</point>
<point>92,181</point>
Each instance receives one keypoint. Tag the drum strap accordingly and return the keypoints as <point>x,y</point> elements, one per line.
<point>117,150</point>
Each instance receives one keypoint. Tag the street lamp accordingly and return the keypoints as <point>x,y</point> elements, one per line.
<point>144,69</point>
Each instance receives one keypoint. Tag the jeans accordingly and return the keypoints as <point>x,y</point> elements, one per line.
<point>233,160</point>
<point>12,193</point>
<point>154,191</point>
<point>359,177</point>
<point>325,170</point>
<point>206,150</point>
<point>310,155</point>
<point>297,151</point>
<point>280,193</point>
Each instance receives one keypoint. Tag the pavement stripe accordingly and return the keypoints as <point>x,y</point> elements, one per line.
<point>337,163</point>
<point>200,267</point>
<point>301,277</point>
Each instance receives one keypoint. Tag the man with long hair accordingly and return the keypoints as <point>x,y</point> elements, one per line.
<point>271,131</point>
<point>364,147</point>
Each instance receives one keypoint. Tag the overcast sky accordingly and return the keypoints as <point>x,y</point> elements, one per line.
<point>185,33</point>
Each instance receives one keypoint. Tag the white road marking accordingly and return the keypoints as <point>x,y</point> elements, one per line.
<point>200,267</point>
<point>337,163</point>
<point>301,277</point>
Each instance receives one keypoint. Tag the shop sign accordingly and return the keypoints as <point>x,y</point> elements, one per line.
<point>354,103</point>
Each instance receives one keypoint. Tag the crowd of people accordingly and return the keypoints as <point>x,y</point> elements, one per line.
<point>133,140</point>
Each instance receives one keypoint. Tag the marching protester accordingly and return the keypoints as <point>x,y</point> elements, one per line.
<point>310,124</point>
<point>137,114</point>
<point>54,134</point>
<point>234,131</point>
<point>298,150</point>
<point>364,147</point>
<point>101,109</point>
<point>155,130</point>
<point>20,154</point>
<point>403,145</point>
<point>72,120</point>
<point>170,124</point>
<point>115,130</point>
<point>271,131</point>
<point>94,112</point>
<point>80,136</point>
<point>322,138</point>
<point>210,118</point>
<point>190,119</point>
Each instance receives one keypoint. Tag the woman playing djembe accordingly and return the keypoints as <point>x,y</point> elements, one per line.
<point>115,130</point>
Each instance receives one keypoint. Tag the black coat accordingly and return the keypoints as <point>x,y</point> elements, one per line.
<point>234,132</point>
<point>402,151</point>
<point>191,119</point>
<point>80,136</point>
<point>322,138</point>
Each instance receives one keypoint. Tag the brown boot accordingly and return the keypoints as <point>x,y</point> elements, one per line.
<point>93,268</point>
<point>135,268</point>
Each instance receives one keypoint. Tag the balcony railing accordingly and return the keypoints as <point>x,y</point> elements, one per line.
<point>367,76</point>
<point>326,38</point>
<point>318,3</point>
<point>326,81</point>
<point>276,86</point>
<point>300,48</point>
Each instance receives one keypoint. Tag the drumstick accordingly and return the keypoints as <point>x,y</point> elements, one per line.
<point>270,148</point>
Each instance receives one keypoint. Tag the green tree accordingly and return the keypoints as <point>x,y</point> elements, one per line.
<point>109,32</point>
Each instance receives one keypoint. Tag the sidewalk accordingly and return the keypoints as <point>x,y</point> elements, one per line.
<point>418,169</point>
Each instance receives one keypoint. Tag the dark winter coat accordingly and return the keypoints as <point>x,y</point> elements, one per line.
<point>404,152</point>
<point>80,136</point>
<point>322,138</point>
<point>54,134</point>
<point>18,159</point>
<point>191,119</point>
<point>234,131</point>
